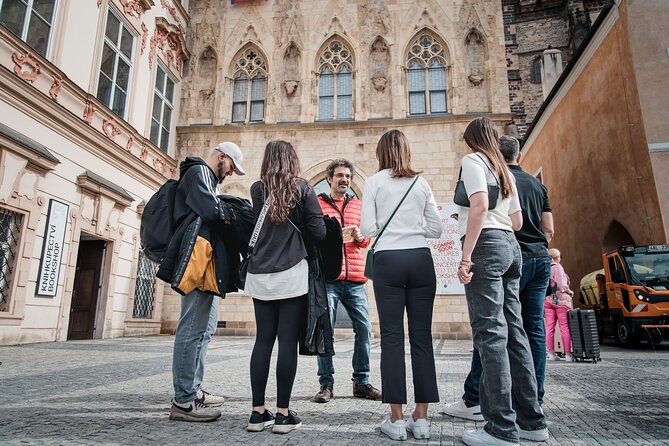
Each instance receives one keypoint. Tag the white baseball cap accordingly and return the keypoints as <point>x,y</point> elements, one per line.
<point>235,153</point>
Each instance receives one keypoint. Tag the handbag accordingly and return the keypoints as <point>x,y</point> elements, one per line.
<point>244,265</point>
<point>462,199</point>
<point>369,261</point>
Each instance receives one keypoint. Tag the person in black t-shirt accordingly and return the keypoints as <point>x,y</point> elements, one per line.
<point>533,238</point>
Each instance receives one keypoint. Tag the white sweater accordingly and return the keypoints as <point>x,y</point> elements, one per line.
<point>417,219</point>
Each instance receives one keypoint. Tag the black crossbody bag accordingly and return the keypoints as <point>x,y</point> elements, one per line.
<point>462,199</point>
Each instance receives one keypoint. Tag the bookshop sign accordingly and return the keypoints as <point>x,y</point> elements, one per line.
<point>52,251</point>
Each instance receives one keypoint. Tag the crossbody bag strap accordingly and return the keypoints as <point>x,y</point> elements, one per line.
<point>259,222</point>
<point>486,164</point>
<point>394,212</point>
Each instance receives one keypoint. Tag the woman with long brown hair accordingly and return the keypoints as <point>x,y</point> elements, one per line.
<point>490,269</point>
<point>277,280</point>
<point>398,207</point>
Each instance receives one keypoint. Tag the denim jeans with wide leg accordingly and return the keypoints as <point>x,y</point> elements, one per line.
<point>196,310</point>
<point>533,284</point>
<point>354,299</point>
<point>508,389</point>
<point>211,328</point>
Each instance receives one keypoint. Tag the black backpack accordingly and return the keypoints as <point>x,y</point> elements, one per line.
<point>158,225</point>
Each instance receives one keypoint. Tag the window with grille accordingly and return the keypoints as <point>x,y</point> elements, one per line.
<point>115,66</point>
<point>335,82</point>
<point>30,20</point>
<point>161,116</point>
<point>145,287</point>
<point>10,231</point>
<point>426,76</point>
<point>249,88</point>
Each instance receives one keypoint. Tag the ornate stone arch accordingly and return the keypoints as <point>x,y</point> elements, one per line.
<point>427,61</point>
<point>315,172</point>
<point>335,68</point>
<point>248,74</point>
<point>476,52</point>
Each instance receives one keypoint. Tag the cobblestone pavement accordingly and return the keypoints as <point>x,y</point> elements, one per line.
<point>117,391</point>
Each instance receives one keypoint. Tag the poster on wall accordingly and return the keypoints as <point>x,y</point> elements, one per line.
<point>52,251</point>
<point>446,252</point>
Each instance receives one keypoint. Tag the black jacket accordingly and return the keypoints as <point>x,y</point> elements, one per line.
<point>316,337</point>
<point>203,252</point>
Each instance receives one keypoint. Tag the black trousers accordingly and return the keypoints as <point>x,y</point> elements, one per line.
<point>406,279</point>
<point>283,319</point>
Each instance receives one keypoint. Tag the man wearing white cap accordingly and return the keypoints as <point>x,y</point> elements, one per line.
<point>197,193</point>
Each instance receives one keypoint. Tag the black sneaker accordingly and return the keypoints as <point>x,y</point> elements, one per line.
<point>259,421</point>
<point>285,424</point>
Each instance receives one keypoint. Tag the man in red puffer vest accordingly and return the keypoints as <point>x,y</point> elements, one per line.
<point>349,288</point>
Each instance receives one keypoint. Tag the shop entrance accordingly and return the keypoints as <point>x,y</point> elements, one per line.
<point>87,286</point>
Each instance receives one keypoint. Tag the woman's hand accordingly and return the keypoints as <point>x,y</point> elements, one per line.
<point>464,271</point>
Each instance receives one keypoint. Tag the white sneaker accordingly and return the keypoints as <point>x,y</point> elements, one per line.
<point>420,429</point>
<point>193,411</point>
<point>460,410</point>
<point>396,430</point>
<point>537,435</point>
<point>552,357</point>
<point>479,437</point>
<point>208,399</point>
<point>568,357</point>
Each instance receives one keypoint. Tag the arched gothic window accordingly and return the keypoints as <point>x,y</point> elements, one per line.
<point>250,84</point>
<point>335,83</point>
<point>426,76</point>
<point>535,72</point>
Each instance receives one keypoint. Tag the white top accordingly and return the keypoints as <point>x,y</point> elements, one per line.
<point>477,174</point>
<point>293,282</point>
<point>417,219</point>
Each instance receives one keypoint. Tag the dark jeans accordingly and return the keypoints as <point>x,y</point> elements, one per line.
<point>508,388</point>
<point>353,297</point>
<point>533,285</point>
<point>406,279</point>
<point>283,319</point>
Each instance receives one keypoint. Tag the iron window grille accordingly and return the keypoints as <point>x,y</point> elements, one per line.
<point>145,288</point>
<point>115,66</point>
<point>10,232</point>
<point>30,20</point>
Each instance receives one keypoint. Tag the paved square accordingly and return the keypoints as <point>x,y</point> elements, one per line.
<point>117,391</point>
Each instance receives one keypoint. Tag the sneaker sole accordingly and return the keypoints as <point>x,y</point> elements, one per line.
<point>464,416</point>
<point>213,405</point>
<point>531,436</point>
<point>395,437</point>
<point>185,417</point>
<point>259,427</point>
<point>419,436</point>
<point>285,428</point>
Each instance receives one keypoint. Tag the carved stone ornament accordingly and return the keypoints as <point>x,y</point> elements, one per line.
<point>145,154</point>
<point>290,87</point>
<point>26,66</point>
<point>476,79</point>
<point>40,200</point>
<point>99,3</point>
<point>145,34</point>
<point>132,8</point>
<point>379,83</point>
<point>170,39</point>
<point>55,88</point>
<point>88,112</point>
<point>173,172</point>
<point>111,128</point>
<point>171,10</point>
<point>130,143</point>
<point>159,165</point>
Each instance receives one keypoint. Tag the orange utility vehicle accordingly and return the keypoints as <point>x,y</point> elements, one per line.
<point>630,295</point>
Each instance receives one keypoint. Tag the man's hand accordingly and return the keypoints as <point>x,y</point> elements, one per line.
<point>464,272</point>
<point>357,235</point>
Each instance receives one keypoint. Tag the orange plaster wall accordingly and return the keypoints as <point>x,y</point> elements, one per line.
<point>594,157</point>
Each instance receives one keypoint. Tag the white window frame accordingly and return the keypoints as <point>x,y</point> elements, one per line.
<point>335,69</point>
<point>26,22</point>
<point>426,66</point>
<point>164,103</point>
<point>118,54</point>
<point>249,73</point>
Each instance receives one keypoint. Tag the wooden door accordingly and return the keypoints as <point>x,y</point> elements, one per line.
<point>86,289</point>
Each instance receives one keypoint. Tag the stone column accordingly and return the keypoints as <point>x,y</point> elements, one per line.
<point>551,68</point>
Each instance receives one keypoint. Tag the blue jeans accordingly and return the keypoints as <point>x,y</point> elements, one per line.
<point>354,299</point>
<point>533,285</point>
<point>191,342</point>
<point>508,387</point>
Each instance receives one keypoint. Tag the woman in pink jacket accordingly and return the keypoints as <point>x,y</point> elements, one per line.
<point>556,306</point>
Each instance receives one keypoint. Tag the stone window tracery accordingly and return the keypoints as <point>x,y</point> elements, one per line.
<point>426,64</point>
<point>335,82</point>
<point>249,87</point>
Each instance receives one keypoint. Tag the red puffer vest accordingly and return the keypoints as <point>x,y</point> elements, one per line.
<point>353,263</point>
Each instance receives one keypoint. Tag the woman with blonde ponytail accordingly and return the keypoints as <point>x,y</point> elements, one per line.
<point>490,269</point>
<point>277,280</point>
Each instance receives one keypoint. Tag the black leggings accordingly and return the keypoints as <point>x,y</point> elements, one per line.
<point>282,318</point>
<point>405,279</point>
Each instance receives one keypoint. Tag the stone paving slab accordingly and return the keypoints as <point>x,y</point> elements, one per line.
<point>117,392</point>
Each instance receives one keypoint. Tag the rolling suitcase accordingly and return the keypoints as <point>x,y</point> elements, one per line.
<point>584,339</point>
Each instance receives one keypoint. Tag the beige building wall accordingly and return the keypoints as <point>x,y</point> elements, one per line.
<point>58,141</point>
<point>591,148</point>
<point>290,36</point>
